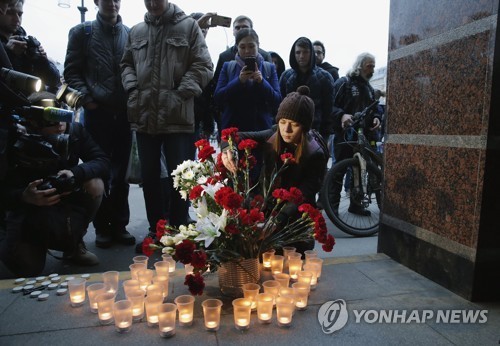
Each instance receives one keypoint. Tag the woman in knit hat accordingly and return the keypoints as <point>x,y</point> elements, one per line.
<point>292,134</point>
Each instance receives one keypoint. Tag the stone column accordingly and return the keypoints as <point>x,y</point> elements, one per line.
<point>441,203</point>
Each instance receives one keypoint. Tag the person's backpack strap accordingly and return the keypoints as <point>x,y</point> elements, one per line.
<point>231,66</point>
<point>87,30</point>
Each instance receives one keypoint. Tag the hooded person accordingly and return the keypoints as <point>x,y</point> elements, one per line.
<point>292,134</point>
<point>304,71</point>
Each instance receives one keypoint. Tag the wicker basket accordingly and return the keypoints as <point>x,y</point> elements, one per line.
<point>233,275</point>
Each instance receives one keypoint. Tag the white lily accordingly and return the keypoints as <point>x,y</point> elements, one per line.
<point>210,227</point>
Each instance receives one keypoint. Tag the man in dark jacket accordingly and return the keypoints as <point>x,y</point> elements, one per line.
<point>304,71</point>
<point>92,67</point>
<point>353,93</point>
<point>319,52</point>
<point>50,213</point>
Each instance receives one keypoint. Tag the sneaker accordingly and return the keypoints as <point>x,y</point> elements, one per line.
<point>82,256</point>
<point>123,237</point>
<point>102,239</point>
<point>358,210</point>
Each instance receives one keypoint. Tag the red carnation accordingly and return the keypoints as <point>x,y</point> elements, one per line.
<point>202,143</point>
<point>227,198</point>
<point>199,259</point>
<point>184,251</point>
<point>287,158</point>
<point>230,133</point>
<point>195,192</point>
<point>146,249</point>
<point>296,195</point>
<point>281,194</point>
<point>195,283</point>
<point>160,225</point>
<point>205,153</point>
<point>329,243</point>
<point>232,229</point>
<point>247,144</point>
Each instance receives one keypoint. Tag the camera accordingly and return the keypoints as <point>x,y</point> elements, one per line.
<point>33,45</point>
<point>59,182</point>
<point>70,96</point>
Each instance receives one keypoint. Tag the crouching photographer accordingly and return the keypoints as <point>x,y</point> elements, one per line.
<point>50,197</point>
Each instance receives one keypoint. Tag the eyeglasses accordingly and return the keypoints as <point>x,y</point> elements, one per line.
<point>238,27</point>
<point>318,52</point>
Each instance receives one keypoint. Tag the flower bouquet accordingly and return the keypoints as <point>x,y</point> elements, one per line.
<point>234,222</point>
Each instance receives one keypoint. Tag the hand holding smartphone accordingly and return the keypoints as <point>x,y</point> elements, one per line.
<point>220,21</point>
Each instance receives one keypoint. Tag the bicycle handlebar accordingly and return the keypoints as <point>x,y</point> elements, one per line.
<point>359,116</point>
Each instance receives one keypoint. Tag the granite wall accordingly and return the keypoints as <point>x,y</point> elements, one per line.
<point>441,204</point>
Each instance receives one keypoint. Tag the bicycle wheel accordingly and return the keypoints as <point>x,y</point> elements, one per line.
<point>339,193</point>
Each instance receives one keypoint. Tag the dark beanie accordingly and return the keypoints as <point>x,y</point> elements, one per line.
<point>297,106</point>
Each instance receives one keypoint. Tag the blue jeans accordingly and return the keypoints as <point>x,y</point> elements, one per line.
<point>111,131</point>
<point>177,147</point>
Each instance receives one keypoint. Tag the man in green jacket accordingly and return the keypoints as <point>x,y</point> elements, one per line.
<point>166,64</point>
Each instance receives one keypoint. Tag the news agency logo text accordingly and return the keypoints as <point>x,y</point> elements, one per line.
<point>333,316</point>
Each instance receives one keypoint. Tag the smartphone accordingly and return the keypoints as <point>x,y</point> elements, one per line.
<point>220,21</point>
<point>250,63</point>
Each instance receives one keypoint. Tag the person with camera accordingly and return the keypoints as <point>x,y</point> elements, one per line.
<point>52,197</point>
<point>92,66</point>
<point>353,93</point>
<point>25,52</point>
<point>4,58</point>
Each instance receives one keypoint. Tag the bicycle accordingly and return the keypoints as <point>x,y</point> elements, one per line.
<point>353,186</point>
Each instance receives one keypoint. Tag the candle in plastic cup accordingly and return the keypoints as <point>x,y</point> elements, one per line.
<point>283,279</point>
<point>265,307</point>
<point>162,268</point>
<point>162,281</point>
<point>305,276</point>
<point>135,268</point>
<point>318,262</point>
<point>211,313</point>
<point>105,303</point>
<point>122,312</point>
<point>152,304</point>
<point>110,279</point>
<point>294,266</point>
<point>266,259</point>
<point>242,308</point>
<point>145,278</point>
<point>287,250</point>
<point>310,254</point>
<point>76,288</point>
<point>301,295</point>
<point>141,259</point>
<point>165,257</point>
<point>171,262</point>
<point>137,298</point>
<point>284,311</point>
<point>272,287</point>
<point>130,285</point>
<point>185,305</point>
<point>309,267</point>
<point>250,291</point>
<point>93,291</point>
<point>166,319</point>
<point>277,264</point>
<point>154,290</point>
